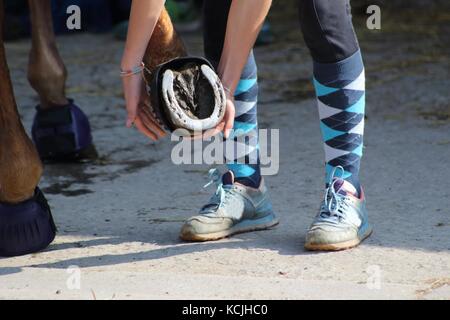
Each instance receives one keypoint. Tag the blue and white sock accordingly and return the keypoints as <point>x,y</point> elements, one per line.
<point>340,89</point>
<point>245,163</point>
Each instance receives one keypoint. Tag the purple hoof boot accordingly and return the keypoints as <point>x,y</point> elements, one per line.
<point>26,227</point>
<point>61,133</point>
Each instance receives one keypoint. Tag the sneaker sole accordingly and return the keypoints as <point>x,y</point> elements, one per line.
<point>340,245</point>
<point>243,226</point>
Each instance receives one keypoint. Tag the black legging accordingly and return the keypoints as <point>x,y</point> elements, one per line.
<point>326,25</point>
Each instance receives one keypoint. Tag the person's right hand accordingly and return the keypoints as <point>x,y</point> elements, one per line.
<point>226,125</point>
<point>138,108</point>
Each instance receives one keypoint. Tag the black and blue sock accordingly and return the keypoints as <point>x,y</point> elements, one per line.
<point>245,163</point>
<point>340,89</point>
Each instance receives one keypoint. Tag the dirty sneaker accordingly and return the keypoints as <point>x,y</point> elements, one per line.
<point>342,222</point>
<point>233,208</point>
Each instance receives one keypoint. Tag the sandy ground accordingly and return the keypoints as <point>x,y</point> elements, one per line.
<point>119,216</point>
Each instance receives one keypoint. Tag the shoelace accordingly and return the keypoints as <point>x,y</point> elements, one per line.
<point>333,201</point>
<point>215,177</point>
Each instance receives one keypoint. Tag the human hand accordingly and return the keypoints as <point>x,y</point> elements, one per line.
<point>138,108</point>
<point>228,119</point>
<point>224,126</point>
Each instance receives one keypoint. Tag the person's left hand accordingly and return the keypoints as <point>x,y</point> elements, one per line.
<point>138,108</point>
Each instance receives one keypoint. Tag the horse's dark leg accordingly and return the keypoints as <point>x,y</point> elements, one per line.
<point>46,71</point>
<point>26,224</point>
<point>61,130</point>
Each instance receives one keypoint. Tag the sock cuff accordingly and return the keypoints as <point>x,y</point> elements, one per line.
<point>348,69</point>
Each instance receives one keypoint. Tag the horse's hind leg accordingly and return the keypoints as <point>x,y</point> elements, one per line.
<point>61,130</point>
<point>25,219</point>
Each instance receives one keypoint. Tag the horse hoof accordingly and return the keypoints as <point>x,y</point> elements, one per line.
<point>62,133</point>
<point>26,227</point>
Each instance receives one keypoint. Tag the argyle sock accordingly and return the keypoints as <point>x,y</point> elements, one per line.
<point>244,161</point>
<point>340,89</point>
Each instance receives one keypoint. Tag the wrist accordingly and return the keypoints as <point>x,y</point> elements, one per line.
<point>130,61</point>
<point>130,65</point>
<point>228,93</point>
<point>133,71</point>
<point>229,76</point>
<point>229,82</point>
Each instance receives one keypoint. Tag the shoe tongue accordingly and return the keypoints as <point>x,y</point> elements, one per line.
<point>228,178</point>
<point>344,187</point>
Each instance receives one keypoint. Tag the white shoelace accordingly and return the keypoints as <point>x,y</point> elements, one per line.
<point>334,202</point>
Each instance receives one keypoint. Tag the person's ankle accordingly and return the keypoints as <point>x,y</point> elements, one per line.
<point>249,182</point>
<point>355,183</point>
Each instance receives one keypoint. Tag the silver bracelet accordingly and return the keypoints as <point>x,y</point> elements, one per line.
<point>227,90</point>
<point>133,71</point>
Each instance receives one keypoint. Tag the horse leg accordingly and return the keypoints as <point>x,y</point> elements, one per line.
<point>46,71</point>
<point>61,131</point>
<point>164,45</point>
<point>25,219</point>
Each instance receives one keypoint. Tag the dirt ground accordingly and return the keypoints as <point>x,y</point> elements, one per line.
<point>119,216</point>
